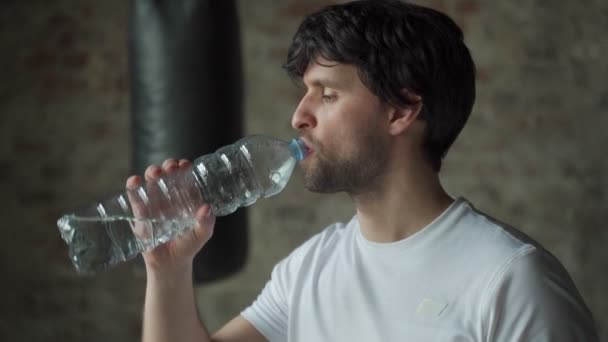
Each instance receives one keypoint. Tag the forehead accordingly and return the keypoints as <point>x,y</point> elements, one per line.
<point>323,72</point>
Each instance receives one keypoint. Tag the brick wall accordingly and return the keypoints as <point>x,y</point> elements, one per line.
<point>532,153</point>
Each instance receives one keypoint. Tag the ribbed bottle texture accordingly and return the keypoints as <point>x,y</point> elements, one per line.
<point>117,229</point>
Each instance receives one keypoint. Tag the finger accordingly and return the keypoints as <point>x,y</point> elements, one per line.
<point>184,163</point>
<point>203,213</point>
<point>145,201</point>
<point>170,165</point>
<point>153,196</point>
<point>153,172</point>
<point>137,207</point>
<point>133,182</point>
<point>203,229</point>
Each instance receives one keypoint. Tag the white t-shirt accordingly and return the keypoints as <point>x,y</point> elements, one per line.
<point>464,277</point>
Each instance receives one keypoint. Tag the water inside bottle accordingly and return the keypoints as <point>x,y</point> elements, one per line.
<point>97,243</point>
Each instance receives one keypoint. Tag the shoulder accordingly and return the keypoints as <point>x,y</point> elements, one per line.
<point>507,251</point>
<point>499,242</point>
<point>525,290</point>
<point>534,296</point>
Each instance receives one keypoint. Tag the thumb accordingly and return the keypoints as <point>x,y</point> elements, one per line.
<point>205,224</point>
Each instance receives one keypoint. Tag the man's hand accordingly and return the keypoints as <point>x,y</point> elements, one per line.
<point>178,253</point>
<point>169,312</point>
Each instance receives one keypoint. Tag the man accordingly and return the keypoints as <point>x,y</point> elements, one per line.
<point>389,87</point>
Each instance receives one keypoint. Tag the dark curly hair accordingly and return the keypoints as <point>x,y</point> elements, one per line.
<point>396,46</point>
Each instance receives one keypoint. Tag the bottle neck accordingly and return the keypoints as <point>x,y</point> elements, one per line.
<point>298,149</point>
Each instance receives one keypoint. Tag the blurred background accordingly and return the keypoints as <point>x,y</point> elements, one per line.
<point>532,153</point>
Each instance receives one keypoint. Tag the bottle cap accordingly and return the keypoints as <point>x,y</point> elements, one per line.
<point>298,149</point>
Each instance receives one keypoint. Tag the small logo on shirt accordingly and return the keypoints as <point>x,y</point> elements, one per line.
<point>431,308</point>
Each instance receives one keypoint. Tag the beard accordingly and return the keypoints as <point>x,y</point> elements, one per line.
<point>356,173</point>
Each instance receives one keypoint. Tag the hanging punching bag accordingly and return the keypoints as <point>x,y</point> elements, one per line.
<point>186,101</point>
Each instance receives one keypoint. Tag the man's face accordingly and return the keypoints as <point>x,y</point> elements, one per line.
<point>345,127</point>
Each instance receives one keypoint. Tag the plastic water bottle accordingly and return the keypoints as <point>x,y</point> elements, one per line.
<point>117,229</point>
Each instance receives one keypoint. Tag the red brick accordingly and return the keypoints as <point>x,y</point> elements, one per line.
<point>76,60</point>
<point>40,59</point>
<point>98,131</point>
<point>467,7</point>
<point>55,88</point>
<point>65,40</point>
<point>482,75</point>
<point>49,82</point>
<point>271,29</point>
<point>86,11</point>
<point>70,85</point>
<point>438,5</point>
<point>60,20</point>
<point>34,147</point>
<point>278,53</point>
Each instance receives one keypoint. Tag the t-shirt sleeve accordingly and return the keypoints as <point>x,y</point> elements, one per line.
<point>268,313</point>
<point>534,299</point>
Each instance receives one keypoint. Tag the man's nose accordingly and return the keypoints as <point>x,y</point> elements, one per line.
<point>303,117</point>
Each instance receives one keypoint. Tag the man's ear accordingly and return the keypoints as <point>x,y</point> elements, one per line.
<point>403,116</point>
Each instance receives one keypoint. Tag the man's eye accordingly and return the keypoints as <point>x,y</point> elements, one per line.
<point>329,98</point>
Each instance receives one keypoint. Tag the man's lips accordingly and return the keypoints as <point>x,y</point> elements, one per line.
<point>308,145</point>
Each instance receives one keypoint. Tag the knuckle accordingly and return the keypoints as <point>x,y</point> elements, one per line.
<point>151,169</point>
<point>133,181</point>
<point>168,163</point>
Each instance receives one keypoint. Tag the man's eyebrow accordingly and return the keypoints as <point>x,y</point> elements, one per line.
<point>325,83</point>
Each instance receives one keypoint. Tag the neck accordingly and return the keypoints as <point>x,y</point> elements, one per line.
<point>405,201</point>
